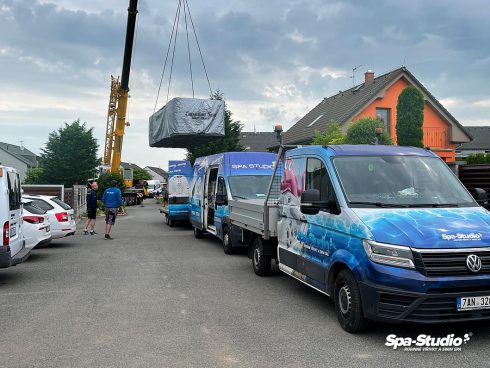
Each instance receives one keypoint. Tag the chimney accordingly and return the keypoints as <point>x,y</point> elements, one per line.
<point>368,77</point>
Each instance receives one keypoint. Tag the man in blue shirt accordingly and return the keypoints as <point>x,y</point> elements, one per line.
<point>112,199</point>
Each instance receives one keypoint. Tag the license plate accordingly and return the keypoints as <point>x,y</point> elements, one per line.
<point>473,302</point>
<point>13,230</point>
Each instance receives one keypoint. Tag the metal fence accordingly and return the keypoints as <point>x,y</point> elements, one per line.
<point>475,176</point>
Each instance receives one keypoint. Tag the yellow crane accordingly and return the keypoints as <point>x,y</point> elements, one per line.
<point>118,100</point>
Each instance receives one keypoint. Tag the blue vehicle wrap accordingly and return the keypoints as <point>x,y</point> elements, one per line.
<point>212,175</point>
<point>439,241</point>
<point>179,179</point>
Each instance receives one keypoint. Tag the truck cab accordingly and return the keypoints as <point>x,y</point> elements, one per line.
<point>220,178</point>
<point>12,248</point>
<point>388,232</point>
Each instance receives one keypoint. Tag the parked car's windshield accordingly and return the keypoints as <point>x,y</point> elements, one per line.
<point>405,181</point>
<point>249,186</point>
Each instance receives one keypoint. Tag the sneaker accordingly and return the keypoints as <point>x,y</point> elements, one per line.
<point>107,236</point>
<point>93,232</point>
<point>85,232</point>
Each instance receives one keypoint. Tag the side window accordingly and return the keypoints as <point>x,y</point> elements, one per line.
<point>317,178</point>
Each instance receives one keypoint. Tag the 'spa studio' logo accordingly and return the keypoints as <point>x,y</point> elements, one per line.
<point>462,236</point>
<point>424,342</point>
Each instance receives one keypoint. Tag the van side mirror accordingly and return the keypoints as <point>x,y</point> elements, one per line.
<point>311,202</point>
<point>221,199</point>
<point>480,195</point>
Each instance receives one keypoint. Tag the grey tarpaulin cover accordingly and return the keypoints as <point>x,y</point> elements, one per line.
<point>184,118</point>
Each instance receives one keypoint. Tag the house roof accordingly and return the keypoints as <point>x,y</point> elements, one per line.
<point>258,141</point>
<point>157,171</point>
<point>20,153</point>
<point>127,165</point>
<point>481,138</point>
<point>344,106</point>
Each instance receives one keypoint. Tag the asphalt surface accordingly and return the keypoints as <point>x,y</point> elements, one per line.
<point>157,297</point>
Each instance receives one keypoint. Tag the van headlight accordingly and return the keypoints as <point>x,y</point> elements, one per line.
<point>388,254</point>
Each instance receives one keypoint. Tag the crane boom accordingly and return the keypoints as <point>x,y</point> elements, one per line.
<point>114,137</point>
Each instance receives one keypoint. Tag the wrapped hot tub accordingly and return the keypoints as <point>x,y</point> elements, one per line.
<point>182,119</point>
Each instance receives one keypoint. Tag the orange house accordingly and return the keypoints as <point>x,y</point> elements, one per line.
<point>377,98</point>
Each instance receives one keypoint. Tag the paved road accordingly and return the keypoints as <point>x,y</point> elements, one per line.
<point>157,297</point>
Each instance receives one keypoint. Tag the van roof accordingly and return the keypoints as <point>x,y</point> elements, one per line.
<point>364,150</point>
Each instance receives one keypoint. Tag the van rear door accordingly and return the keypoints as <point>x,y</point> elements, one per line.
<point>14,218</point>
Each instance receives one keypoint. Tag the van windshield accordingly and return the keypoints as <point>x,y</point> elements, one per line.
<point>249,186</point>
<point>400,181</point>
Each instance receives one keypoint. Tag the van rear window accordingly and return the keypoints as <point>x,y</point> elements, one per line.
<point>14,190</point>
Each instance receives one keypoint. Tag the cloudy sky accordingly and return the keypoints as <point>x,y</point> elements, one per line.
<point>274,60</point>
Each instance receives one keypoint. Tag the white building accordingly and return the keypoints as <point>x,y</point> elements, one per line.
<point>17,157</point>
<point>157,173</point>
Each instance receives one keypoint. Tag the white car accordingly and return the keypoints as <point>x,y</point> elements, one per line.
<point>36,227</point>
<point>61,215</point>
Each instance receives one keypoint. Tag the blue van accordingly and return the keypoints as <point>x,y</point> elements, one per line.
<point>177,201</point>
<point>388,232</point>
<point>221,177</point>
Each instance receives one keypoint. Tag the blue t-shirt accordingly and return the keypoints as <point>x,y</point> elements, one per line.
<point>112,198</point>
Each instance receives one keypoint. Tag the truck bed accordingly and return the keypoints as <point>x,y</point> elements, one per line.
<point>253,215</point>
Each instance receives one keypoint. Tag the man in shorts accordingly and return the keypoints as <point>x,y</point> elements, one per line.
<point>91,208</point>
<point>112,199</point>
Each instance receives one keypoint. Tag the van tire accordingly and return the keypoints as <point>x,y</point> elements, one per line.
<point>226,240</point>
<point>348,303</point>
<point>197,233</point>
<point>171,222</point>
<point>260,262</point>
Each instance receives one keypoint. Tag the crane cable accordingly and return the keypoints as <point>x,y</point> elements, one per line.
<point>132,63</point>
<point>173,38</point>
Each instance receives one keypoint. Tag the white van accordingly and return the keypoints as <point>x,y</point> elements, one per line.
<point>12,247</point>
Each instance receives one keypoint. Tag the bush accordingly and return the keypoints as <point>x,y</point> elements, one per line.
<point>478,158</point>
<point>104,182</point>
<point>363,131</point>
<point>333,135</point>
<point>410,118</point>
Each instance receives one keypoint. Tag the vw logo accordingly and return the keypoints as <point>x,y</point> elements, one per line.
<point>473,262</point>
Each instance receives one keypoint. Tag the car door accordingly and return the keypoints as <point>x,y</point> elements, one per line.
<point>321,230</point>
<point>221,210</point>
<point>291,219</point>
<point>197,197</point>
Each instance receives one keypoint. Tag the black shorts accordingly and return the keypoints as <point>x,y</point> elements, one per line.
<point>92,213</point>
<point>110,216</point>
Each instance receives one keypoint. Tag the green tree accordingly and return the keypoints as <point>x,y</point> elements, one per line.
<point>333,135</point>
<point>70,155</point>
<point>104,182</point>
<point>363,131</point>
<point>410,118</point>
<point>35,176</point>
<point>140,174</point>
<point>230,142</point>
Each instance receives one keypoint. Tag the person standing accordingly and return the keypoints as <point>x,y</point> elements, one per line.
<point>91,208</point>
<point>112,199</point>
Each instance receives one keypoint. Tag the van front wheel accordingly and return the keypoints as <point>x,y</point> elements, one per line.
<point>261,263</point>
<point>197,233</point>
<point>348,304</point>
<point>227,243</point>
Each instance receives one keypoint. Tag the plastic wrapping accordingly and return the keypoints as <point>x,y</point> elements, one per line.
<point>182,119</point>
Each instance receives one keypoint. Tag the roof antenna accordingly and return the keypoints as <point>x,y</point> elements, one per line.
<point>354,69</point>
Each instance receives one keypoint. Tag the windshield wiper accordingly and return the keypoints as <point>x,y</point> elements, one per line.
<point>433,205</point>
<point>381,204</point>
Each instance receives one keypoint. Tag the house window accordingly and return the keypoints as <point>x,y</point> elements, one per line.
<point>384,116</point>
